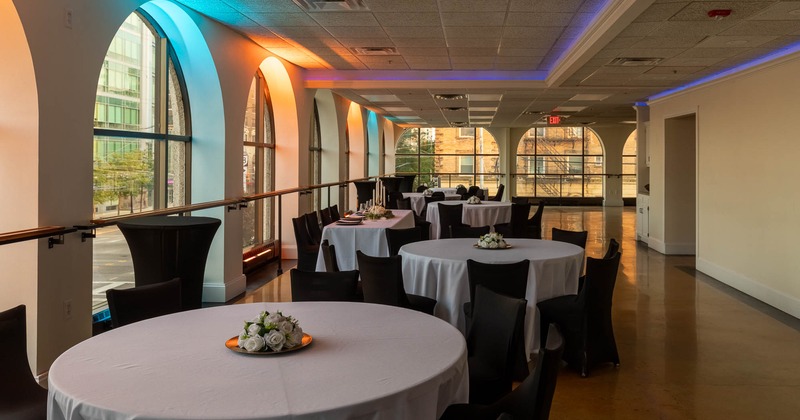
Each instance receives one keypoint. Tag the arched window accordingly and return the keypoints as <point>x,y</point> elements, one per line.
<point>559,162</point>
<point>258,225</point>
<point>315,152</point>
<point>141,143</point>
<point>447,157</point>
<point>629,166</point>
<point>141,134</point>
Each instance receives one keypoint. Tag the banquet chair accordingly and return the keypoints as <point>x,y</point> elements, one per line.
<point>335,212</point>
<point>491,344</point>
<point>310,286</point>
<point>143,302</point>
<point>422,188</point>
<point>508,279</point>
<point>438,195</point>
<point>531,399</point>
<point>394,196</point>
<point>499,195</point>
<point>464,231</point>
<point>313,227</point>
<point>399,237</point>
<point>20,396</point>
<point>461,190</point>
<point>426,228</point>
<point>570,236</point>
<point>519,200</point>
<point>382,282</point>
<point>473,190</point>
<point>613,248</point>
<point>404,204</point>
<point>534,228</point>
<point>450,215</point>
<point>329,256</point>
<point>585,318</point>
<point>307,250</point>
<point>428,200</point>
<point>325,216</point>
<point>519,222</point>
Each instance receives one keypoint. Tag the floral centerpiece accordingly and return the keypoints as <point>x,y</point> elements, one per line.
<point>492,240</point>
<point>378,212</point>
<point>474,200</point>
<point>427,193</point>
<point>270,332</point>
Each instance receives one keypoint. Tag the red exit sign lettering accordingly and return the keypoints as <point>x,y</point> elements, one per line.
<point>553,119</point>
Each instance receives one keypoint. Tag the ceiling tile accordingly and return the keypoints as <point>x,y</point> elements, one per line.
<point>539,19</point>
<point>659,12</point>
<point>472,66</point>
<point>545,5</point>
<point>681,29</point>
<point>472,6</point>
<point>549,32</point>
<point>357,31</point>
<point>344,19</point>
<point>788,10</point>
<point>639,29</point>
<point>409,19</point>
<point>401,5</point>
<point>652,52</point>
<point>749,41</point>
<point>414,32</point>
<point>365,42</point>
<point>427,52</point>
<point>468,32</point>
<point>711,52</point>
<point>698,11</point>
<point>283,19</point>
<point>472,59</point>
<point>516,66</point>
<point>429,65</point>
<point>691,61</point>
<point>473,19</point>
<point>675,69</point>
<point>661,42</point>
<point>457,51</point>
<point>763,27</point>
<point>522,52</point>
<point>419,42</point>
<point>536,43</point>
<point>474,42</point>
<point>301,31</point>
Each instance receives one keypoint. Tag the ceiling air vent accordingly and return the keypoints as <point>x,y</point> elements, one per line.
<point>375,51</point>
<point>454,108</point>
<point>635,61</point>
<point>332,5</point>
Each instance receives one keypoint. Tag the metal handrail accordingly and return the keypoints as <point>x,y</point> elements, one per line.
<point>36,233</point>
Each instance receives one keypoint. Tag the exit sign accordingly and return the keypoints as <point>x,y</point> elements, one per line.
<point>553,119</point>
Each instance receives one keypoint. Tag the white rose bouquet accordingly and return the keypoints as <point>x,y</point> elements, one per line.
<point>474,200</point>
<point>492,240</point>
<point>427,193</point>
<point>378,212</point>
<point>270,332</point>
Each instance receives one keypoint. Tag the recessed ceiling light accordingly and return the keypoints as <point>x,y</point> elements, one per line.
<point>532,112</point>
<point>454,108</point>
<point>450,96</point>
<point>458,124</point>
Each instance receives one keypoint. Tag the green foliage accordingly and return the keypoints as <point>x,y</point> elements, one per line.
<point>123,174</point>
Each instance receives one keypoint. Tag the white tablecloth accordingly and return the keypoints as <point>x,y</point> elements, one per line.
<point>369,237</point>
<point>438,269</point>
<point>418,200</point>
<point>487,213</point>
<point>365,361</point>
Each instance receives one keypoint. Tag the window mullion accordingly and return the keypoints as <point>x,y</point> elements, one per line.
<point>160,146</point>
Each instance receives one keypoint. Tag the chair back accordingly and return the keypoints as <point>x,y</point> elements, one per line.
<point>613,248</point>
<point>425,227</point>
<point>463,231</point>
<point>519,200</point>
<point>509,279</point>
<point>403,203</point>
<point>301,234</point>
<point>473,190</point>
<point>499,195</point>
<point>20,395</point>
<point>533,397</point>
<point>461,190</point>
<point>571,236</point>
<point>329,256</point>
<point>308,286</point>
<point>325,216</point>
<point>438,196</point>
<point>519,219</point>
<point>399,237</point>
<point>335,212</point>
<point>382,280</point>
<point>598,289</point>
<point>421,188</point>
<point>143,302</point>
<point>491,341</point>
<point>449,215</point>
<point>313,227</point>
<point>534,230</point>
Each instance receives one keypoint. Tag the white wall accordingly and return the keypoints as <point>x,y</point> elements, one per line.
<point>747,194</point>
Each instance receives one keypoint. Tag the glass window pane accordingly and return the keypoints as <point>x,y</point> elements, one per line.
<point>592,146</point>
<point>268,128</point>
<point>176,112</point>
<point>407,144</point>
<point>176,173</point>
<point>593,165</point>
<point>527,146</point>
<point>426,164</point>
<point>427,140</point>
<point>487,164</point>
<point>250,124</point>
<point>123,176</point>
<point>548,186</point>
<point>629,186</point>
<point>629,165</point>
<point>593,186</point>
<point>571,186</point>
<point>630,145</point>
<point>406,164</point>
<point>525,185</point>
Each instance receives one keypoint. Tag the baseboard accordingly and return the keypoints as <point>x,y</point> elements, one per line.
<point>760,291</point>
<point>289,252</point>
<point>217,292</point>
<point>671,248</point>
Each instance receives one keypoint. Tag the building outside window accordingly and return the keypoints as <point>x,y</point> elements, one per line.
<point>559,162</point>
<point>141,142</point>
<point>315,155</point>
<point>258,225</point>
<point>447,157</point>
<point>629,188</point>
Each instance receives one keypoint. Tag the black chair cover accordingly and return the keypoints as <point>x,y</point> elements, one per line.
<point>144,302</point>
<point>20,396</point>
<point>307,250</point>
<point>499,195</point>
<point>329,256</point>
<point>399,237</point>
<point>324,286</point>
<point>463,231</point>
<point>382,282</point>
<point>449,215</point>
<point>313,227</point>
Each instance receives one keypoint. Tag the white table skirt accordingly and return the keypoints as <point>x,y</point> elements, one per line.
<point>418,200</point>
<point>366,361</point>
<point>438,269</point>
<point>487,213</point>
<point>369,237</point>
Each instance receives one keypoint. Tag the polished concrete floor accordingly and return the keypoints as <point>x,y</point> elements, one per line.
<point>690,347</point>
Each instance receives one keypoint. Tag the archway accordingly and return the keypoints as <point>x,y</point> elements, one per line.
<point>356,147</point>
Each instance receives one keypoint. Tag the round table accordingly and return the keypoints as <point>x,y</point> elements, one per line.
<point>165,247</point>
<point>365,361</point>
<point>438,269</point>
<point>487,213</point>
